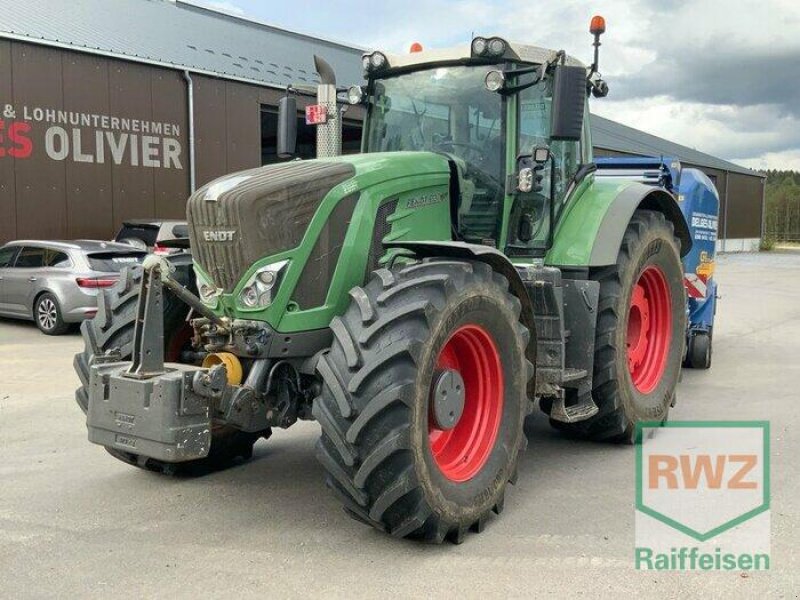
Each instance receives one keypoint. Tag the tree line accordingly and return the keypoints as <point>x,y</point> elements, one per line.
<point>782,210</point>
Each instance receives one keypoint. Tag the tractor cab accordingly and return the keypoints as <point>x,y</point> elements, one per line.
<point>487,107</point>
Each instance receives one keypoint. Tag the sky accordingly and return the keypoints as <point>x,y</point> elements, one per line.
<point>721,76</point>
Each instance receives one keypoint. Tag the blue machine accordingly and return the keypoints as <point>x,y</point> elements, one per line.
<point>699,201</point>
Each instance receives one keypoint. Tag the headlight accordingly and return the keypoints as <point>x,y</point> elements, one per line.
<point>209,294</point>
<point>260,289</point>
<point>378,60</point>
<point>479,46</point>
<point>374,62</point>
<point>491,48</point>
<point>495,80</point>
<point>497,47</point>
<point>355,94</point>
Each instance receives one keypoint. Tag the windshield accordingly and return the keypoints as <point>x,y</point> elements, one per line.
<point>448,109</point>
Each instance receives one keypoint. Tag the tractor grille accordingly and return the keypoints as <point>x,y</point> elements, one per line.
<point>382,229</point>
<point>240,218</point>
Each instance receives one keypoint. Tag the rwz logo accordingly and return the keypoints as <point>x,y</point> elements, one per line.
<point>219,235</point>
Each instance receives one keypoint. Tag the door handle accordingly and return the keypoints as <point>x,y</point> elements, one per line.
<point>31,279</point>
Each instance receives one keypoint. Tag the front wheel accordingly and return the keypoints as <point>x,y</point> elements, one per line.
<point>424,399</point>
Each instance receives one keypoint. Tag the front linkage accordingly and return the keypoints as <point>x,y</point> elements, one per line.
<point>169,411</point>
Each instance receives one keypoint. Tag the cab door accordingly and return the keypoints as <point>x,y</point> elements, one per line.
<point>7,256</point>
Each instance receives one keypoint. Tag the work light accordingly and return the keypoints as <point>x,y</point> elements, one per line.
<point>479,46</point>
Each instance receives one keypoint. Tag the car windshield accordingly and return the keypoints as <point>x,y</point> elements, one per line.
<point>447,109</point>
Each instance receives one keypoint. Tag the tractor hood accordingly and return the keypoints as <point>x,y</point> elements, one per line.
<point>242,218</point>
<point>239,218</point>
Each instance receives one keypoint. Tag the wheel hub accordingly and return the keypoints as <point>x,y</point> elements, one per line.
<point>649,330</point>
<point>461,442</point>
<point>447,399</point>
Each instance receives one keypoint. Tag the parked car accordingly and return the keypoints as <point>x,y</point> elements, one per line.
<point>57,283</point>
<point>148,234</point>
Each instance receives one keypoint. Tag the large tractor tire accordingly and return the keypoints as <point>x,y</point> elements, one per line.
<point>424,399</point>
<point>641,328</point>
<point>112,330</point>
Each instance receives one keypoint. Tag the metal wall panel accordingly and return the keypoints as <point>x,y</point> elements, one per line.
<point>130,89</point>
<point>243,126</point>
<point>8,199</point>
<point>88,184</point>
<point>40,182</point>
<point>170,105</point>
<point>210,128</point>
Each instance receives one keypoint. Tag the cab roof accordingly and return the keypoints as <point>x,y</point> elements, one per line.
<point>463,54</point>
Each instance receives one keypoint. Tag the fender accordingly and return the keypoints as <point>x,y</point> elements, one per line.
<point>492,257</point>
<point>590,233</point>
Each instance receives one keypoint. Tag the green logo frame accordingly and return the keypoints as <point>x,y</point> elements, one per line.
<point>693,533</point>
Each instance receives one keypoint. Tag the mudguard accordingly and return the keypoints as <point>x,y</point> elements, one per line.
<point>590,233</point>
<point>486,254</point>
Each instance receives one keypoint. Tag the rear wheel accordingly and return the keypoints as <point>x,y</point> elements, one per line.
<point>424,399</point>
<point>47,314</point>
<point>112,330</point>
<point>640,331</point>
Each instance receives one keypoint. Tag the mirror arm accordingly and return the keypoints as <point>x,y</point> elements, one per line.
<point>552,206</point>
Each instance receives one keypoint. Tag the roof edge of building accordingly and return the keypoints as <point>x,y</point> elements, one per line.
<point>5,35</point>
<point>199,6</point>
<point>724,165</point>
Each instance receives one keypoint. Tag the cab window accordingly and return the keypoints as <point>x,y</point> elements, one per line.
<point>534,130</point>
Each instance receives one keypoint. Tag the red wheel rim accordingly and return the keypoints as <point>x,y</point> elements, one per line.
<point>649,329</point>
<point>462,451</point>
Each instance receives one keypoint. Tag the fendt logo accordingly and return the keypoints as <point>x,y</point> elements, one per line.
<point>219,235</point>
<point>702,495</point>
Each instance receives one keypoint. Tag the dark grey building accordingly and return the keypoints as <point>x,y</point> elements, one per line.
<point>116,109</point>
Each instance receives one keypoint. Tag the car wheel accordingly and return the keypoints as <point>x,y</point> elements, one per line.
<point>47,314</point>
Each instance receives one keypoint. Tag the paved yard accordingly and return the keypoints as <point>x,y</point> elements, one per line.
<point>76,523</point>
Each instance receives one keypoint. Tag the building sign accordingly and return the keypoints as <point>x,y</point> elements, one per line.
<point>89,138</point>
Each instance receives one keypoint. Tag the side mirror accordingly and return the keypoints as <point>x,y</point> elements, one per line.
<point>569,98</point>
<point>287,127</point>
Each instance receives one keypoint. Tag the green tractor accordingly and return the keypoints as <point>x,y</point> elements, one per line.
<point>415,299</point>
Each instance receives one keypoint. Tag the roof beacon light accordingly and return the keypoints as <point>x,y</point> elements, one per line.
<point>595,82</point>
<point>415,47</point>
<point>598,25</point>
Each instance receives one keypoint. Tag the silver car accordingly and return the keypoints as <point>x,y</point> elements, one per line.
<point>57,283</point>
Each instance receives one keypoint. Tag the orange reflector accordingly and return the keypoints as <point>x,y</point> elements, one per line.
<point>415,47</point>
<point>598,25</point>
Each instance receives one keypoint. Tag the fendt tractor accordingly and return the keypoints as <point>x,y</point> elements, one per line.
<point>415,299</point>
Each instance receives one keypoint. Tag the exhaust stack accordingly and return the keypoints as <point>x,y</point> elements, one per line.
<point>329,133</point>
